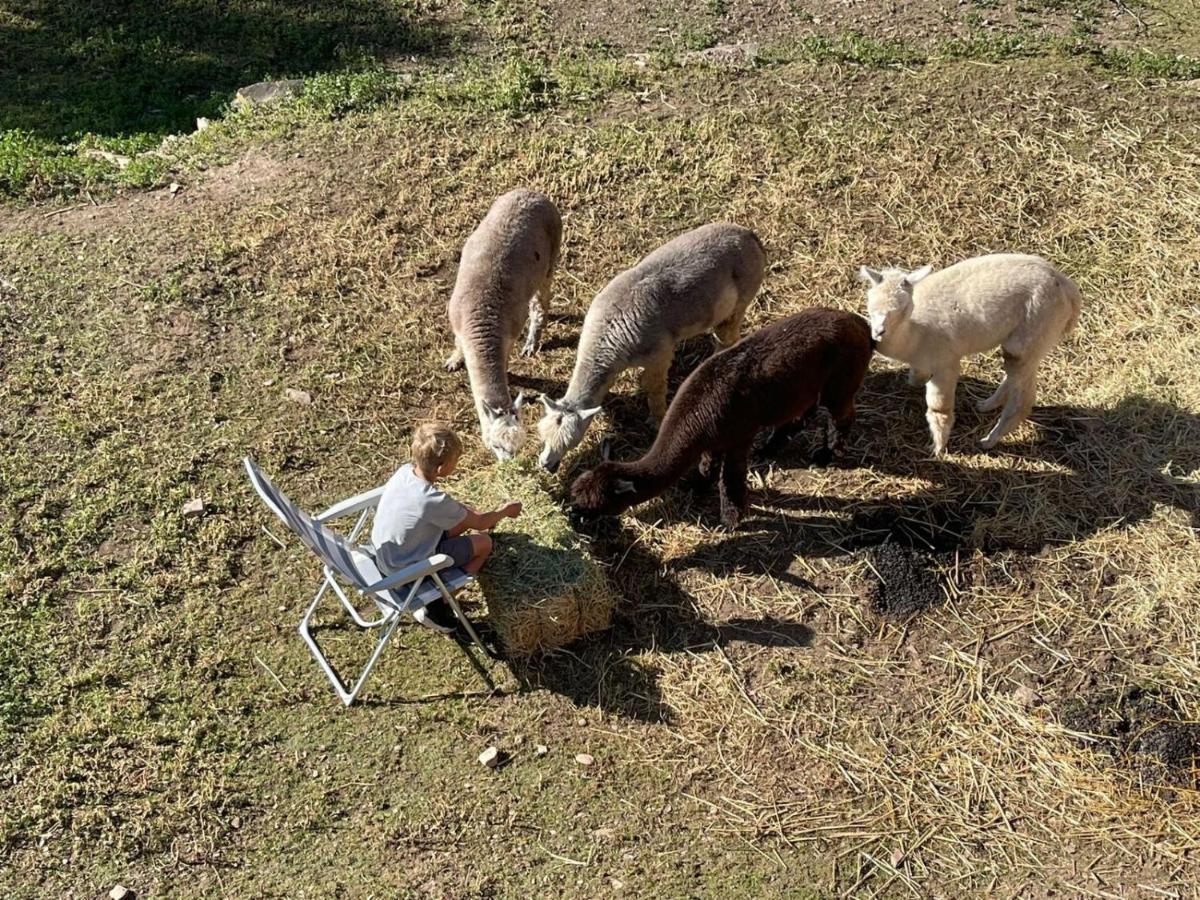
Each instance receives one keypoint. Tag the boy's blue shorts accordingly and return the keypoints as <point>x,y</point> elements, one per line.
<point>457,548</point>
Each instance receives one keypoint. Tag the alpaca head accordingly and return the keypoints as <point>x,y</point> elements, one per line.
<point>502,430</point>
<point>561,429</point>
<point>603,491</point>
<point>889,297</point>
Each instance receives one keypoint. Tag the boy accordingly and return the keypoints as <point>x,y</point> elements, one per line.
<point>416,519</point>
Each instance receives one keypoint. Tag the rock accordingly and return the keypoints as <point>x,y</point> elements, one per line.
<point>1026,697</point>
<point>194,507</point>
<point>729,56</point>
<point>302,397</point>
<point>490,757</point>
<point>617,884</point>
<point>115,158</point>
<point>897,857</point>
<point>584,759</point>
<point>120,892</point>
<point>202,123</point>
<point>541,749</point>
<point>174,188</point>
<point>267,92</point>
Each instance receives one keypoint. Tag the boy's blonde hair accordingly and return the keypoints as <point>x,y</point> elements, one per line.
<point>434,444</point>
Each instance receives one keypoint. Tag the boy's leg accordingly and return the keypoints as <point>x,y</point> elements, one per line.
<point>469,551</point>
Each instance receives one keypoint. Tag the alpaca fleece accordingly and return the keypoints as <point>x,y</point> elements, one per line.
<point>771,379</point>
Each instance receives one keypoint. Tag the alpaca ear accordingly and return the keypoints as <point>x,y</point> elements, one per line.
<point>587,414</point>
<point>519,402</point>
<point>493,412</point>
<point>871,276</point>
<point>549,404</point>
<point>623,486</point>
<point>605,450</point>
<point>913,277</point>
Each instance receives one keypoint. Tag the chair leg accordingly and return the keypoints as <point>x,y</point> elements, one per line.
<point>466,623</point>
<point>346,695</point>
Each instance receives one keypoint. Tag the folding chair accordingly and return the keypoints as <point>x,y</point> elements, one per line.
<point>406,592</point>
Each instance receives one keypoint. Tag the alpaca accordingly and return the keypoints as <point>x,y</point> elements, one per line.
<point>771,379</point>
<point>700,281</point>
<point>505,278</point>
<point>931,321</point>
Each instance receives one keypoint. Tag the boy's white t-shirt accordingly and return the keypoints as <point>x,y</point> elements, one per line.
<point>410,519</point>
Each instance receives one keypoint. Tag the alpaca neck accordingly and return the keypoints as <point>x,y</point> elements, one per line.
<point>668,459</point>
<point>589,385</point>
<point>900,343</point>
<point>489,381</point>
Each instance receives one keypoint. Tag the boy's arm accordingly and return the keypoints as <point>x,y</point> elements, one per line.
<point>477,521</point>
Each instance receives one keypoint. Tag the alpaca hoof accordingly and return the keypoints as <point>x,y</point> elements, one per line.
<point>453,365</point>
<point>729,521</point>
<point>988,443</point>
<point>528,350</point>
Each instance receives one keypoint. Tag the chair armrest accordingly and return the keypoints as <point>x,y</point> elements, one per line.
<point>408,574</point>
<point>368,500</point>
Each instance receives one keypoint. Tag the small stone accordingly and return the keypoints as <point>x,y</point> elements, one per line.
<point>1026,697</point>
<point>897,857</point>
<point>236,821</point>
<point>174,188</point>
<point>582,723</point>
<point>584,759</point>
<point>120,892</point>
<point>194,507</point>
<point>617,884</point>
<point>302,397</point>
<point>202,123</point>
<point>490,757</point>
<point>268,382</point>
<point>267,92</point>
<point>606,835</point>
<point>541,749</point>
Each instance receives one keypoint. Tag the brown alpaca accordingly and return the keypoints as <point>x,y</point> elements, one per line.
<point>772,379</point>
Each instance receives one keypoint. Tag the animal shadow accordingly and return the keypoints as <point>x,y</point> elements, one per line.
<point>656,614</point>
<point>1112,467</point>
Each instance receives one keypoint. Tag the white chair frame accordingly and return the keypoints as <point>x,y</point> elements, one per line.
<point>420,583</point>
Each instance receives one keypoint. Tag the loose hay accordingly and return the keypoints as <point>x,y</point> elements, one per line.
<point>543,589</point>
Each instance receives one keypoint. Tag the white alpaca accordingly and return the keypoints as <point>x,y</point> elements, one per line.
<point>504,279</point>
<point>1019,303</point>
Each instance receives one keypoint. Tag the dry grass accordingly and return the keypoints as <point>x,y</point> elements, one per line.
<point>897,753</point>
<point>543,589</point>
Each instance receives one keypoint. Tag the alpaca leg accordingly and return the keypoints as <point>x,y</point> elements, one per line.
<point>916,379</point>
<point>836,432</point>
<point>654,384</point>
<point>1012,368</point>
<point>782,435</point>
<point>454,361</point>
<point>1017,407</point>
<point>939,403</point>
<point>734,499</point>
<point>537,318</point>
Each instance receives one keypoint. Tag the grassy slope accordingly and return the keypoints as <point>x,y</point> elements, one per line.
<point>162,725</point>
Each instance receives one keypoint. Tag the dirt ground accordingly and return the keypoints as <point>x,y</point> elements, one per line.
<point>902,676</point>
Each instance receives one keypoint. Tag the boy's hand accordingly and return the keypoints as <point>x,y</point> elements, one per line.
<point>511,510</point>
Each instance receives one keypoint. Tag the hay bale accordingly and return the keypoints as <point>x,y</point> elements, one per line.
<point>543,590</point>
